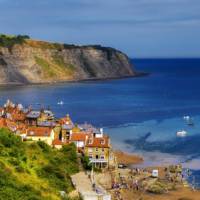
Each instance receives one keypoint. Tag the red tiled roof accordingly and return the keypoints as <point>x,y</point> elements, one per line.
<point>57,142</point>
<point>98,142</point>
<point>18,116</point>
<point>39,131</point>
<point>78,137</point>
<point>3,123</point>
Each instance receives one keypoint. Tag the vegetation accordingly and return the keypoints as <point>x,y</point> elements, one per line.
<point>157,188</point>
<point>59,61</point>
<point>47,68</point>
<point>55,67</point>
<point>34,171</point>
<point>10,41</point>
<point>86,163</point>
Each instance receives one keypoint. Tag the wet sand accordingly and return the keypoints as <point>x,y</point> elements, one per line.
<point>127,158</point>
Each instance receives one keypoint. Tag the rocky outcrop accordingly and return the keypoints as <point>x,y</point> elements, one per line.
<point>42,62</point>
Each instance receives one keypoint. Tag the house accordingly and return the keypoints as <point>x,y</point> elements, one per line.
<point>1,111</point>
<point>45,134</point>
<point>45,115</point>
<point>98,149</point>
<point>57,143</point>
<point>3,123</point>
<point>32,118</point>
<point>66,128</point>
<point>79,139</point>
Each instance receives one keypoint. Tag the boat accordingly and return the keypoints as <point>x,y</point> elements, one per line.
<point>187,117</point>
<point>181,133</point>
<point>190,122</point>
<point>60,103</point>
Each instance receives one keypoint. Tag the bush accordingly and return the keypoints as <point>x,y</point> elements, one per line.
<point>35,160</point>
<point>8,139</point>
<point>86,163</point>
<point>10,41</point>
<point>45,147</point>
<point>157,188</point>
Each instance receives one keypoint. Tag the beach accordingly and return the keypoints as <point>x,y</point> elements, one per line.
<point>121,183</point>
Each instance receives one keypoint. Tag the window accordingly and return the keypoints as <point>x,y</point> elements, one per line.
<point>103,149</point>
<point>90,156</point>
<point>90,150</point>
<point>102,142</point>
<point>102,157</point>
<point>90,141</point>
<point>32,133</point>
<point>96,149</point>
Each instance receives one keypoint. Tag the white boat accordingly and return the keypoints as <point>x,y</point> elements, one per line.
<point>60,103</point>
<point>188,120</point>
<point>181,133</point>
<point>187,117</point>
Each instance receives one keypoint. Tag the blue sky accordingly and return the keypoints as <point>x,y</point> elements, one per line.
<point>140,28</point>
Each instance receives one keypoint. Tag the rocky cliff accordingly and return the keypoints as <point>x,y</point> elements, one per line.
<point>33,61</point>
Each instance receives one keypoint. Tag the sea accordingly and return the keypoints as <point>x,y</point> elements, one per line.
<point>142,115</point>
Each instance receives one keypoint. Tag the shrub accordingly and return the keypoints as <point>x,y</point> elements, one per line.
<point>157,188</point>
<point>45,147</point>
<point>10,41</point>
<point>86,163</point>
<point>8,139</point>
<point>36,160</point>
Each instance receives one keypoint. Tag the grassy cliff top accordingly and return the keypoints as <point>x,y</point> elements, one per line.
<point>34,171</point>
<point>9,41</point>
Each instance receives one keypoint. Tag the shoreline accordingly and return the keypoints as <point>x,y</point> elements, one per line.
<point>127,158</point>
<point>136,75</point>
<point>161,188</point>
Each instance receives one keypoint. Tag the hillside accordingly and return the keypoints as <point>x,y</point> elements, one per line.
<point>24,61</point>
<point>34,171</point>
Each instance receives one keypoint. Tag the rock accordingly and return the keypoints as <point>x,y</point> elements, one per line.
<point>42,62</point>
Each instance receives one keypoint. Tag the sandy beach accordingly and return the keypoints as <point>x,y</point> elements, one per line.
<point>121,182</point>
<point>127,158</point>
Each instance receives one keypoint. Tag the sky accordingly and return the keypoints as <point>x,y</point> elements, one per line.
<point>140,28</point>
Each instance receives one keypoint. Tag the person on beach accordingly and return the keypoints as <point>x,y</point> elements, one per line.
<point>136,185</point>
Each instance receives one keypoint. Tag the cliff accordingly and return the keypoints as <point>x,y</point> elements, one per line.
<point>24,61</point>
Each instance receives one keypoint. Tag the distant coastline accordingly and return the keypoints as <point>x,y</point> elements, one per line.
<point>137,75</point>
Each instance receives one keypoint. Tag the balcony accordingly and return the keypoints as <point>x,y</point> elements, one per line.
<point>93,160</point>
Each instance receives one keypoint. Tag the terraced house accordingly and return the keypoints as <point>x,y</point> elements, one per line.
<point>98,149</point>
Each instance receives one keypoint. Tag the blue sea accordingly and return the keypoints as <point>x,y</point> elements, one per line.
<point>141,115</point>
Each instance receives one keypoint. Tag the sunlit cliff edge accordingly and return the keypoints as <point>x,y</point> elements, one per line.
<point>27,61</point>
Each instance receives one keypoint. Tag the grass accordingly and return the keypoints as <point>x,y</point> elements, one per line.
<point>47,68</point>
<point>44,45</point>
<point>34,170</point>
<point>55,67</point>
<point>58,60</point>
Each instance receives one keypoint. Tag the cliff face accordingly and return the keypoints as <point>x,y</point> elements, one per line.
<point>42,62</point>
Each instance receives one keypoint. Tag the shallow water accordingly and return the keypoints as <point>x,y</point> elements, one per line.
<point>141,115</point>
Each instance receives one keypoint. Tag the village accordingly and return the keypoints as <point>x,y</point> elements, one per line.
<point>41,125</point>
<point>109,178</point>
